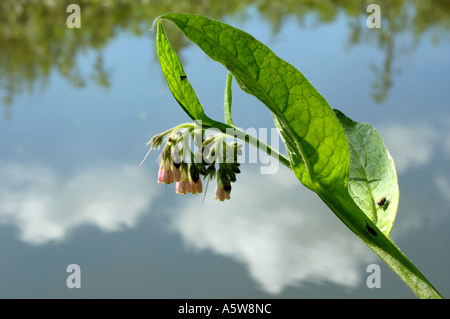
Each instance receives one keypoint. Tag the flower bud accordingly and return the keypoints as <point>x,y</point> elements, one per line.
<point>195,187</point>
<point>165,175</point>
<point>182,187</point>
<point>222,190</point>
<point>176,174</point>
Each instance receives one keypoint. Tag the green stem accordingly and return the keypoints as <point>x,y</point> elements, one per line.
<point>241,135</point>
<point>260,145</point>
<point>227,100</point>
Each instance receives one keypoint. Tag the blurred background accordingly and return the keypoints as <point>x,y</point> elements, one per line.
<point>79,105</point>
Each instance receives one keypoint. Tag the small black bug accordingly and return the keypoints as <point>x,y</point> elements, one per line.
<point>371,230</point>
<point>381,202</point>
<point>182,77</point>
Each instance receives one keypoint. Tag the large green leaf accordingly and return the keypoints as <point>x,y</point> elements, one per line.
<point>316,135</point>
<point>372,179</point>
<point>177,79</point>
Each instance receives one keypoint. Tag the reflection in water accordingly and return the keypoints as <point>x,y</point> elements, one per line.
<point>280,231</point>
<point>404,142</point>
<point>35,40</point>
<point>443,185</point>
<point>46,207</point>
<point>400,20</point>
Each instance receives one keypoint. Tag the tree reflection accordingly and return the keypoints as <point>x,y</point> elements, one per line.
<point>35,41</point>
<point>399,18</point>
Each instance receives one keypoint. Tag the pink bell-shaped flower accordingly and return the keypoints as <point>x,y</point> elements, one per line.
<point>222,191</point>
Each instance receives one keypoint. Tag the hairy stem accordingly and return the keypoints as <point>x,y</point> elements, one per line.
<point>227,100</point>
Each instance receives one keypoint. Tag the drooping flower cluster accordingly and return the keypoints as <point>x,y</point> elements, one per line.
<point>179,165</point>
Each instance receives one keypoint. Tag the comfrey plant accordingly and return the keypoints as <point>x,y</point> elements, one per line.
<point>344,162</point>
<point>179,163</point>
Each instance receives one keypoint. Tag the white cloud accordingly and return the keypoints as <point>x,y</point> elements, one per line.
<point>443,185</point>
<point>46,207</point>
<point>411,145</point>
<point>445,136</point>
<point>280,230</point>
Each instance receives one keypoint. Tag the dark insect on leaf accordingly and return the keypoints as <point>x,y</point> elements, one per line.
<point>381,202</point>
<point>371,230</point>
<point>182,77</point>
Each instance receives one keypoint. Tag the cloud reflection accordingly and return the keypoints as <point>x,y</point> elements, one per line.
<point>278,229</point>
<point>443,185</point>
<point>45,207</point>
<point>416,146</point>
<point>411,145</point>
<point>283,234</point>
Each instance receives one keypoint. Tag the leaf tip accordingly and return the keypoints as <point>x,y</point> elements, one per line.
<point>157,20</point>
<point>154,24</point>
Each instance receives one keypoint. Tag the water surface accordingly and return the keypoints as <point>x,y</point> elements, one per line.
<point>79,106</point>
